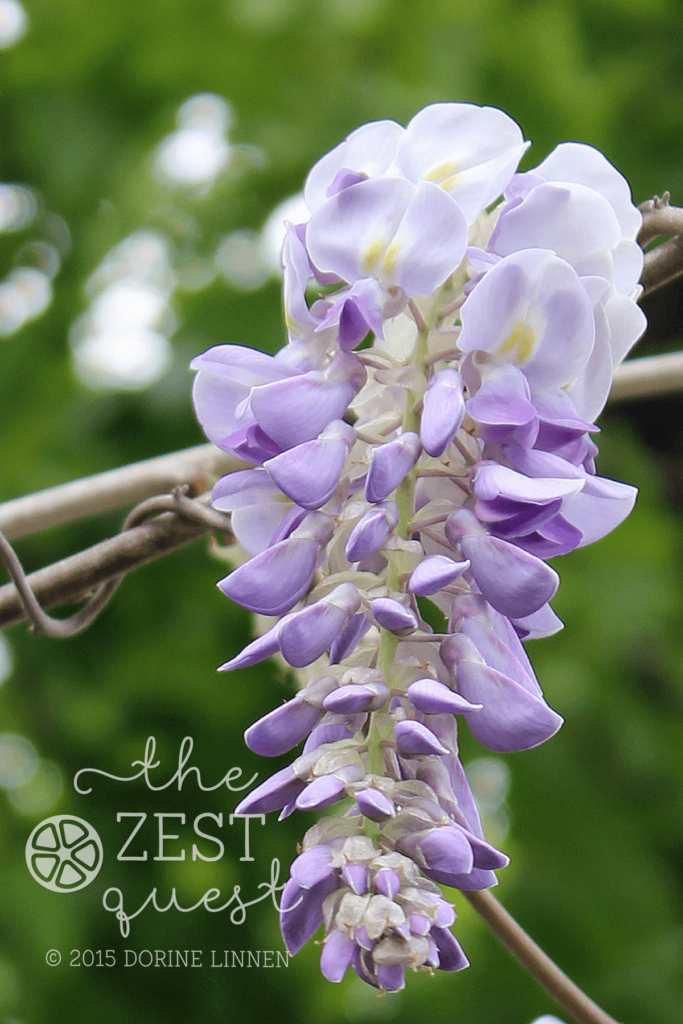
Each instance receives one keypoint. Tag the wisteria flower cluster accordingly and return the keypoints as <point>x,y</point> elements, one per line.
<point>420,447</point>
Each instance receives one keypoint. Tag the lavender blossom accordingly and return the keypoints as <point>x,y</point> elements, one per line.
<point>447,461</point>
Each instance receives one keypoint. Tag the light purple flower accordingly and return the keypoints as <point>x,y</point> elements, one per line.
<point>469,151</point>
<point>309,473</point>
<point>435,572</point>
<point>305,635</point>
<point>406,236</point>
<point>375,805</point>
<point>274,580</point>
<point>532,310</point>
<point>414,738</point>
<point>513,714</point>
<point>394,616</point>
<point>391,463</point>
<point>515,582</point>
<point>366,153</point>
<point>443,411</point>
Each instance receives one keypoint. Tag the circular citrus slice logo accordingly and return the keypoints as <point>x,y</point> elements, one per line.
<point>64,853</point>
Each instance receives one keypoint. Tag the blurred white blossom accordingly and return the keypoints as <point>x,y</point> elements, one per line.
<point>122,339</point>
<point>13,23</point>
<point>197,152</point>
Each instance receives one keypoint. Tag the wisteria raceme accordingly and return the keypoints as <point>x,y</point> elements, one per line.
<point>423,441</point>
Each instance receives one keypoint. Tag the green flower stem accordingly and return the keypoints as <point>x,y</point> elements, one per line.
<point>405,500</point>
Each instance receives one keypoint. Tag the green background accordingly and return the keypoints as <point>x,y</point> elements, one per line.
<point>595,817</point>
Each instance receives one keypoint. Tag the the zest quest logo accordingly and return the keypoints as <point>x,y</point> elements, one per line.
<point>64,853</point>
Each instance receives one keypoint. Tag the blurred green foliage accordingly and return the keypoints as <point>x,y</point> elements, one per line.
<point>594,818</point>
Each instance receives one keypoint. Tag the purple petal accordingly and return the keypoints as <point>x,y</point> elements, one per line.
<point>256,504</point>
<point>531,309</point>
<point>502,406</point>
<point>469,150</point>
<point>375,805</point>
<point>309,473</point>
<point>258,650</point>
<point>445,914</point>
<point>575,161</point>
<point>435,572</point>
<point>272,794</point>
<point>495,652</point>
<point>572,220</point>
<point>391,977</point>
<point>414,738</point>
<point>356,877</point>
<point>226,374</point>
<point>355,698</point>
<point>492,481</point>
<point>433,698</point>
<point>429,244</point>
<point>348,639</point>
<point>297,272</point>
<point>305,635</point>
<point>312,866</point>
<point>451,955</point>
<point>387,882</point>
<point>393,615</point>
<point>363,965</point>
<point>486,856</point>
<point>371,530</point>
<point>243,489</point>
<point>362,938</point>
<point>542,623</point>
<point>443,411</point>
<point>250,443</point>
<point>273,581</point>
<point>419,924</point>
<point>281,729</point>
<point>301,911</point>
<point>367,152</point>
<point>447,850</point>
<point>600,507</point>
<point>336,956</point>
<point>327,732</point>
<point>433,954</point>
<point>239,363</point>
<point>321,793</point>
<point>406,236</point>
<point>390,464</point>
<point>512,717</point>
<point>357,311</point>
<point>513,581</point>
<point>298,409</point>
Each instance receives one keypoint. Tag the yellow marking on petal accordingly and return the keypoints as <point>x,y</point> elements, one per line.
<point>450,182</point>
<point>441,171</point>
<point>521,336</point>
<point>390,257</point>
<point>372,254</point>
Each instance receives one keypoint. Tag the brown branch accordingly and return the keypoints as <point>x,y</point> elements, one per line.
<point>569,996</point>
<point>114,489</point>
<point>645,378</point>
<point>73,578</point>
<point>659,218</point>
<point>664,263</point>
